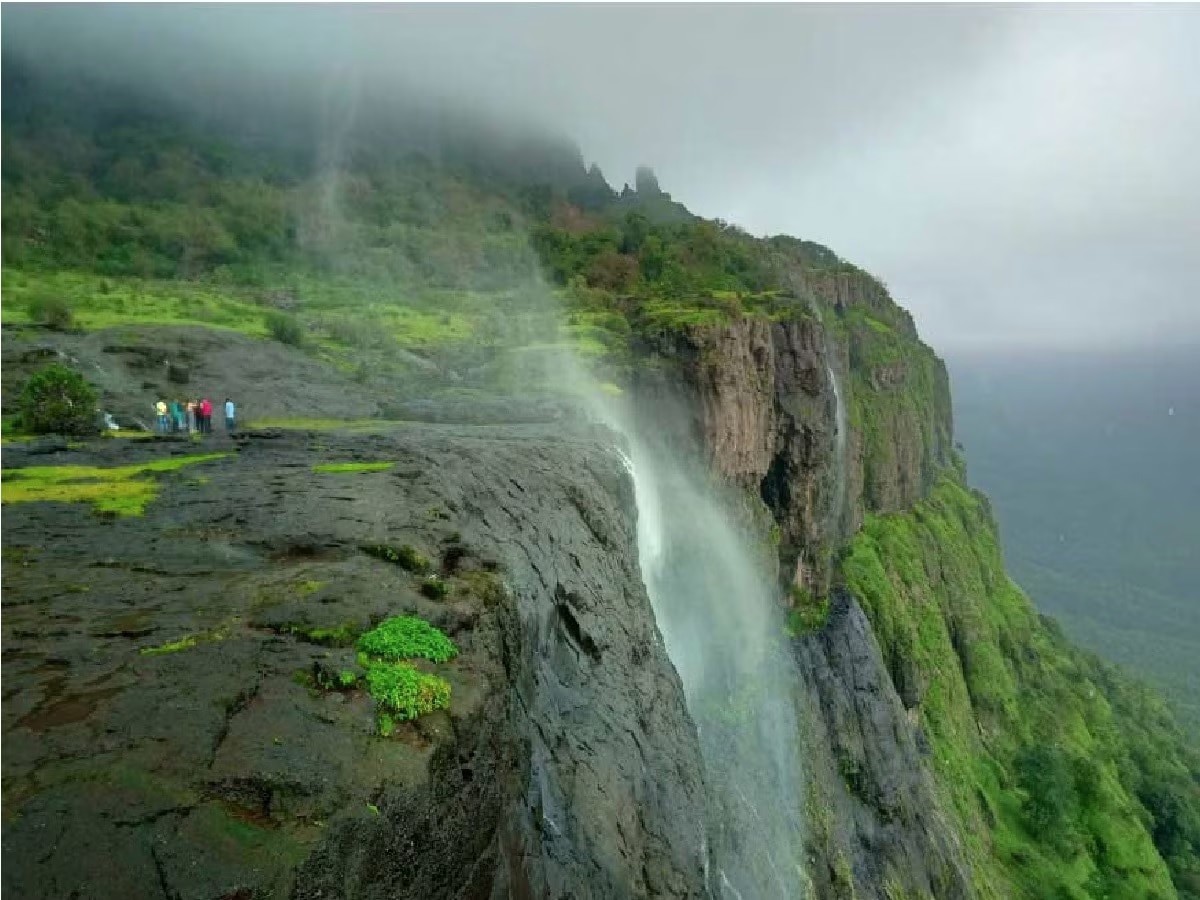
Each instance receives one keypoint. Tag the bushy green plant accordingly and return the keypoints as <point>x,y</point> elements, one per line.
<point>57,400</point>
<point>808,613</point>
<point>407,637</point>
<point>404,692</point>
<point>51,310</point>
<point>285,328</point>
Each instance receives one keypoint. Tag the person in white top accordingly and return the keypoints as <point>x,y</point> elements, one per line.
<point>230,415</point>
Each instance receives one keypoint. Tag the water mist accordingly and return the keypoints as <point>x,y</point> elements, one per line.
<point>723,624</point>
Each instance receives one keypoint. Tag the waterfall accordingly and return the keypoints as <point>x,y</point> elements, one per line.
<point>839,449</point>
<point>723,626</point>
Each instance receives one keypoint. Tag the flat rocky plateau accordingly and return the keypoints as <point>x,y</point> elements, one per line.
<point>166,734</point>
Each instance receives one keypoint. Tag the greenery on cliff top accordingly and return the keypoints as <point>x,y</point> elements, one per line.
<point>1065,775</point>
<point>128,211</point>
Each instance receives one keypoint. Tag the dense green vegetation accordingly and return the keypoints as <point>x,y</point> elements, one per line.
<point>401,691</point>
<point>1065,775</point>
<point>120,209</point>
<point>57,400</point>
<point>407,637</point>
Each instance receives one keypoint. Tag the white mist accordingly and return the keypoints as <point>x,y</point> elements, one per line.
<point>723,624</point>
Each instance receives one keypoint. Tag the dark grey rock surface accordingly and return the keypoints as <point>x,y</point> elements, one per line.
<point>565,766</point>
<point>876,825</point>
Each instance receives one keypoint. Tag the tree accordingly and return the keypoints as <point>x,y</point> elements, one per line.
<point>1051,805</point>
<point>57,400</point>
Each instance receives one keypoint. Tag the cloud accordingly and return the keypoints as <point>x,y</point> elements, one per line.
<point>1016,174</point>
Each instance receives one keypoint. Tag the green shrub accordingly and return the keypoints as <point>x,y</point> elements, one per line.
<point>57,400</point>
<point>434,588</point>
<point>407,637</point>
<point>403,692</point>
<point>285,328</point>
<point>51,311</point>
<point>808,613</point>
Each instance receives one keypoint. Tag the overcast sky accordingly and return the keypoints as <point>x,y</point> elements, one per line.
<point>1016,175</point>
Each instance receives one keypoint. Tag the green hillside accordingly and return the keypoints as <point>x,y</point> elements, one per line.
<point>1065,775</point>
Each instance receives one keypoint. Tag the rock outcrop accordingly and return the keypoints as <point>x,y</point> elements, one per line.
<point>164,735</point>
<point>757,396</point>
<point>875,820</point>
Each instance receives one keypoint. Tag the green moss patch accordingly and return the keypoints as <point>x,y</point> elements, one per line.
<point>184,643</point>
<point>119,490</point>
<point>341,635</point>
<point>407,637</point>
<point>333,468</point>
<point>187,642</point>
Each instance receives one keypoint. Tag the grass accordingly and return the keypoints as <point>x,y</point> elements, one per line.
<point>184,643</point>
<point>119,490</point>
<point>407,637</point>
<point>404,692</point>
<point>98,302</point>
<point>333,468</point>
<point>332,312</point>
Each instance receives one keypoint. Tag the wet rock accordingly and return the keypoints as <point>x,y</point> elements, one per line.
<point>164,734</point>
<point>874,814</point>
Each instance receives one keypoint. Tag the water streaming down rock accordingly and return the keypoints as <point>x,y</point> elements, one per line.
<point>723,626</point>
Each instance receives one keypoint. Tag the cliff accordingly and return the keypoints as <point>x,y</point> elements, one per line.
<point>932,689</point>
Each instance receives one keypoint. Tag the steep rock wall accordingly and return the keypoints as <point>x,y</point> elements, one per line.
<point>757,396</point>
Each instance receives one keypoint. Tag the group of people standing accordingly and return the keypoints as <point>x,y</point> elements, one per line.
<point>191,416</point>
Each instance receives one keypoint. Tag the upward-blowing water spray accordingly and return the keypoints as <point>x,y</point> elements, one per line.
<point>724,630</point>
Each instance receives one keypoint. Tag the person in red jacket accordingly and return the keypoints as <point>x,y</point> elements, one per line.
<point>205,416</point>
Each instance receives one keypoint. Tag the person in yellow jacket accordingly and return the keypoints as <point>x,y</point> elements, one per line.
<point>164,424</point>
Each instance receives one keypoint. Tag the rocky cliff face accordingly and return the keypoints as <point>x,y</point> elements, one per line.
<point>875,820</point>
<point>165,737</point>
<point>759,397</point>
